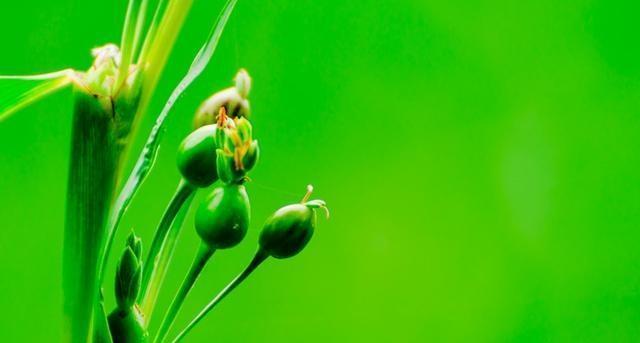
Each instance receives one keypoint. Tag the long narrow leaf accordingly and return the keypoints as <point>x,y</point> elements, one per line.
<point>127,41</point>
<point>148,155</point>
<point>17,92</point>
<point>167,33</point>
<point>151,32</point>
<point>140,24</point>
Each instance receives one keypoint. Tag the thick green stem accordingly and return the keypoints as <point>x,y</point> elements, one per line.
<point>203,255</point>
<point>92,178</point>
<point>163,245</point>
<point>260,257</point>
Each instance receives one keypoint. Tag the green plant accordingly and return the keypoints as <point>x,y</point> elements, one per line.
<point>109,100</point>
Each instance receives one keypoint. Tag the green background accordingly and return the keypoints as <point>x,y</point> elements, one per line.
<point>480,159</point>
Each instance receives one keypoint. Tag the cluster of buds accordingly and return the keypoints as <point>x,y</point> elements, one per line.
<point>237,151</point>
<point>102,75</point>
<point>221,147</point>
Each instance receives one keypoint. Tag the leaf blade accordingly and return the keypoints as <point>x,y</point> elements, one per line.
<point>17,92</point>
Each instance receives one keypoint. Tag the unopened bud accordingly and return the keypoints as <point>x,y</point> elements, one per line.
<point>128,279</point>
<point>243,83</point>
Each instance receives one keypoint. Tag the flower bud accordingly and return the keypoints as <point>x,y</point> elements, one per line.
<point>135,243</point>
<point>228,171</point>
<point>238,152</point>
<point>244,129</point>
<point>290,228</point>
<point>128,279</point>
<point>233,100</point>
<point>197,157</point>
<point>102,75</point>
<point>251,157</point>
<point>222,219</point>
<point>243,83</point>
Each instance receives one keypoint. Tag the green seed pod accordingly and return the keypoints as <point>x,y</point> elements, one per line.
<point>288,231</point>
<point>197,157</point>
<point>222,219</point>
<point>128,326</point>
<point>290,228</point>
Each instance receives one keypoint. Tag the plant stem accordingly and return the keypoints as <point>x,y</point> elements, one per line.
<point>259,257</point>
<point>202,257</point>
<point>92,179</point>
<point>162,247</point>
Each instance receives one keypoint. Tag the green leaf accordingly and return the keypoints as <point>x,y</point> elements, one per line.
<point>17,92</point>
<point>151,32</point>
<point>148,155</point>
<point>160,38</point>
<point>129,39</point>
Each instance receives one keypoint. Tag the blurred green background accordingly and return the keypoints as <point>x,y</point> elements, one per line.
<point>480,159</point>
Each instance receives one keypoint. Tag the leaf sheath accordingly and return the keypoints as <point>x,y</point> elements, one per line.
<point>92,179</point>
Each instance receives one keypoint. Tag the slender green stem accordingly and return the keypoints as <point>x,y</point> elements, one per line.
<point>203,255</point>
<point>260,257</point>
<point>162,247</point>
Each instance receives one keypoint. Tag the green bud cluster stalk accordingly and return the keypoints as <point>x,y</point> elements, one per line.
<point>197,161</point>
<point>225,151</point>
<point>221,149</point>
